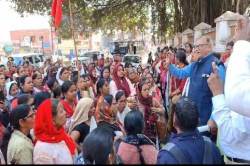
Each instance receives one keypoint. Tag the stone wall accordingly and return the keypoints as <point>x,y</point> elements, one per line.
<point>220,35</point>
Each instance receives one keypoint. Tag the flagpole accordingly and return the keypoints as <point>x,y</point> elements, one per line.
<point>73,35</point>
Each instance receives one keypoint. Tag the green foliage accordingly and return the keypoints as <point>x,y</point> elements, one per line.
<point>166,17</point>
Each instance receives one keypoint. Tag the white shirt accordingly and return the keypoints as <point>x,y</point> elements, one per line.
<point>52,153</point>
<point>237,86</point>
<point>113,88</point>
<point>121,116</point>
<point>234,130</point>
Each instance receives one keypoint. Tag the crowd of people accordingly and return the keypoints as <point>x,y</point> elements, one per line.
<point>109,113</point>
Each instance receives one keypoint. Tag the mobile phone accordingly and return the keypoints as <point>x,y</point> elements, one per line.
<point>54,74</point>
<point>136,98</point>
<point>1,96</point>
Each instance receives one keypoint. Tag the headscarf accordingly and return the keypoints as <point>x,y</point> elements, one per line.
<point>81,112</point>
<point>45,131</point>
<point>104,112</point>
<point>58,76</point>
<point>137,77</point>
<point>8,86</point>
<point>121,83</point>
<point>102,72</point>
<point>149,118</point>
<point>94,79</point>
<point>45,71</point>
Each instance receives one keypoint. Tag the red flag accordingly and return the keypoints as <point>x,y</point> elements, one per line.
<point>56,11</point>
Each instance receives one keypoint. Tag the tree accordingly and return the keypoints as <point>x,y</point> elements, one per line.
<point>167,17</point>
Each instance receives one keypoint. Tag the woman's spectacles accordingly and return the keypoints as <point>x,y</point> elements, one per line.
<point>30,116</point>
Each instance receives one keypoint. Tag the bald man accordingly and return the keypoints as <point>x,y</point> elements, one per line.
<point>199,72</point>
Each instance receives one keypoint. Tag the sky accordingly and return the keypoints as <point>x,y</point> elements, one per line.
<point>11,20</point>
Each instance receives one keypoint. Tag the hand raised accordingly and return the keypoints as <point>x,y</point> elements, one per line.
<point>214,81</point>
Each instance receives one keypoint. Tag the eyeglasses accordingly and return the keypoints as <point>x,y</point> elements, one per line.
<point>200,45</point>
<point>30,116</point>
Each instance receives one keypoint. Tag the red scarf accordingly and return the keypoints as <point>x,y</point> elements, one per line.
<point>45,131</point>
<point>69,110</point>
<point>121,83</point>
<point>149,118</point>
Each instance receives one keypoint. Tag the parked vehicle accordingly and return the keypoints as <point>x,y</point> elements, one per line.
<point>36,59</point>
<point>86,57</point>
<point>134,59</point>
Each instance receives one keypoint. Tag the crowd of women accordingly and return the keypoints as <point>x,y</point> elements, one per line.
<point>54,115</point>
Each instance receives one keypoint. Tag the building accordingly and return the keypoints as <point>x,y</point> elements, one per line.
<point>32,40</point>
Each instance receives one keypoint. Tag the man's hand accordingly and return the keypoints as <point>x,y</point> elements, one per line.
<point>214,81</point>
<point>212,127</point>
<point>242,31</point>
<point>168,59</point>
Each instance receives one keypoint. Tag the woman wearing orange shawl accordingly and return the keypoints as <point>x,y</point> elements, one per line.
<point>106,115</point>
<point>52,144</point>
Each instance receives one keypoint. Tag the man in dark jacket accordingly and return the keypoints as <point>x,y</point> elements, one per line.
<point>188,146</point>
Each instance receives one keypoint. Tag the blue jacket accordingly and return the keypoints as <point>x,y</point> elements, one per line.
<point>192,145</point>
<point>199,91</point>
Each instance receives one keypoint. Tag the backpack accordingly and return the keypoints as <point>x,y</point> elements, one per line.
<point>180,156</point>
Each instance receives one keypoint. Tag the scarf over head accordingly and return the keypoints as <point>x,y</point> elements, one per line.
<point>45,131</point>
<point>104,112</point>
<point>121,83</point>
<point>149,118</point>
<point>81,112</point>
<point>58,76</point>
<point>8,86</point>
<point>137,77</point>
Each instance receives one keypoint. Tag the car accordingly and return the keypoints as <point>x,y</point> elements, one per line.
<point>134,59</point>
<point>86,57</point>
<point>36,59</point>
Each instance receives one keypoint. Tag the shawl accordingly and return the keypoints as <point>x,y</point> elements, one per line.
<point>45,131</point>
<point>121,83</point>
<point>81,112</point>
<point>137,77</point>
<point>149,118</point>
<point>69,110</point>
<point>104,112</point>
